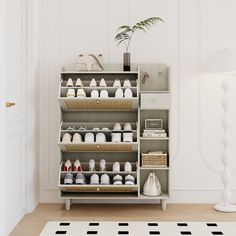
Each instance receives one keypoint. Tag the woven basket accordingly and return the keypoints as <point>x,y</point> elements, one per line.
<point>154,159</point>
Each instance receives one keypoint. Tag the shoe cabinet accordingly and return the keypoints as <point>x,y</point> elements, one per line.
<point>105,112</point>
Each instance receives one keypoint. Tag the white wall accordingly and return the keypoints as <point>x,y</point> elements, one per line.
<point>193,30</point>
<point>32,101</point>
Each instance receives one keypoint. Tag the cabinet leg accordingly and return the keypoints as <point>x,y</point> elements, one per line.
<point>67,204</point>
<point>163,204</point>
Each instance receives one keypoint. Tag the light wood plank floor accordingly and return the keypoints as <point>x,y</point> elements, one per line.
<point>32,224</point>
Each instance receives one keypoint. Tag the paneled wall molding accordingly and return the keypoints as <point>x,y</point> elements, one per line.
<point>199,188</point>
<point>202,151</point>
<point>64,33</point>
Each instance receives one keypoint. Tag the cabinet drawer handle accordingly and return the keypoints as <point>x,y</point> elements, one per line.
<point>10,104</point>
<point>98,146</point>
<point>97,102</point>
<point>98,189</point>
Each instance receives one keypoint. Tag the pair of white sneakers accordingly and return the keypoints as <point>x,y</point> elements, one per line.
<point>121,94</point>
<point>90,138</point>
<point>117,137</point>
<point>70,83</point>
<point>69,179</point>
<point>126,84</point>
<point>127,127</point>
<point>67,138</point>
<point>118,180</point>
<point>102,83</point>
<point>92,165</point>
<point>76,166</point>
<point>105,179</point>
<point>103,93</point>
<point>80,93</point>
<point>127,167</point>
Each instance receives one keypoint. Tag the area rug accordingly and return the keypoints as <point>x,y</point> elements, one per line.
<point>83,228</point>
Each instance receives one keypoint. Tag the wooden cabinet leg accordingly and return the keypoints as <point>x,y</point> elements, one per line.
<point>67,204</point>
<point>163,204</point>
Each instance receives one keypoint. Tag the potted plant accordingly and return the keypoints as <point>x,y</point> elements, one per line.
<point>126,32</point>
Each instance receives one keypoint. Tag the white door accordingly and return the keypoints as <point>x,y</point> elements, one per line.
<point>12,113</point>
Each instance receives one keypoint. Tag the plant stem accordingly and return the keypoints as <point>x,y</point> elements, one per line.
<point>125,45</point>
<point>129,41</point>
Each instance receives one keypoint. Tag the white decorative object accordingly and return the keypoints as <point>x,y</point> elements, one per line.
<point>90,62</point>
<point>154,124</point>
<point>225,205</point>
<point>152,186</point>
<point>223,62</point>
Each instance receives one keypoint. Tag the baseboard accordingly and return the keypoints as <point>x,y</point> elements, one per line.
<point>187,196</point>
<point>15,218</point>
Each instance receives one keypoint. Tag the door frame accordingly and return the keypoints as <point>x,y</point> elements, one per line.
<point>2,117</point>
<point>27,15</point>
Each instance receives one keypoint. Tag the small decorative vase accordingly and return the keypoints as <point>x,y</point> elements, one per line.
<point>126,61</point>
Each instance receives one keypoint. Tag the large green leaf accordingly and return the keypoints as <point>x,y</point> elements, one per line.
<point>125,32</point>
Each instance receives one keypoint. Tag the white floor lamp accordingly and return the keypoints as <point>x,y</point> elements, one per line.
<point>225,63</point>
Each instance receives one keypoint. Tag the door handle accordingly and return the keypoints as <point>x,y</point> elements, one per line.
<point>10,104</point>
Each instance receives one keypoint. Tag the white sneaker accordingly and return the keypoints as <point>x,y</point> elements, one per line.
<point>128,137</point>
<point>71,128</point>
<point>127,84</point>
<point>116,167</point>
<point>92,164</point>
<point>68,178</point>
<point>82,127</point>
<point>117,83</point>
<point>70,93</point>
<point>117,127</point>
<point>127,167</point>
<point>94,94</point>
<point>102,83</point>
<point>105,129</point>
<point>77,138</point>
<point>100,138</point>
<point>77,166</point>
<point>66,138</point>
<point>69,83</point>
<point>102,165</point>
<point>94,179</point>
<point>79,83</point>
<point>104,94</point>
<point>117,180</point>
<point>116,137</point>
<point>105,179</point>
<point>81,93</point>
<point>129,180</point>
<point>68,166</point>
<point>96,129</point>
<point>128,93</point>
<point>80,179</point>
<point>89,138</point>
<point>93,83</point>
<point>119,93</point>
<point>127,127</point>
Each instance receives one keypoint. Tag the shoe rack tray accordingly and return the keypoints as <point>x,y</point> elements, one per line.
<point>111,71</point>
<point>93,104</point>
<point>91,125</point>
<point>98,188</point>
<point>109,165</point>
<point>98,147</point>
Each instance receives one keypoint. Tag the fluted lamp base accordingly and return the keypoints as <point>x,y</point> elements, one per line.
<point>222,207</point>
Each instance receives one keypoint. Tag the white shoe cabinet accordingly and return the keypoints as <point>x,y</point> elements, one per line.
<point>100,112</point>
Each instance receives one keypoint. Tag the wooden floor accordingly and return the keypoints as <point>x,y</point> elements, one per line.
<point>33,223</point>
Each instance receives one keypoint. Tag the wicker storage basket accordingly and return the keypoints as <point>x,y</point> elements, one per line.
<point>154,159</point>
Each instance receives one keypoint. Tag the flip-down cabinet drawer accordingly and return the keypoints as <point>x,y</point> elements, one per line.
<point>155,101</point>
